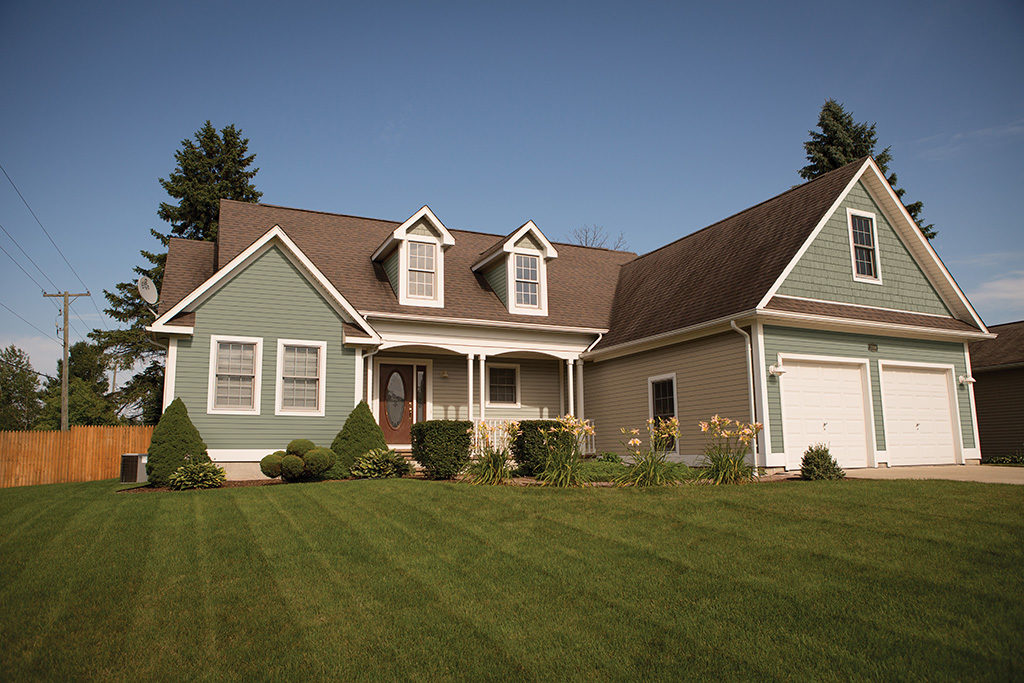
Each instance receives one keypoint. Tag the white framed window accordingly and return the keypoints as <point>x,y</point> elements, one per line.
<point>301,377</point>
<point>864,246</point>
<point>236,371</point>
<point>527,280</point>
<point>503,385</point>
<point>422,271</point>
<point>661,400</point>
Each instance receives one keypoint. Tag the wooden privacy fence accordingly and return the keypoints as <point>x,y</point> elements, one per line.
<point>79,454</point>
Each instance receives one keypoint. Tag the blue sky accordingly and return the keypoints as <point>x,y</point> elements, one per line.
<point>653,120</point>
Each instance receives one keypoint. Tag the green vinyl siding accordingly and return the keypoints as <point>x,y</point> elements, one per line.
<point>270,299</point>
<point>825,270</point>
<point>496,278</point>
<point>391,268</point>
<point>528,241</point>
<point>423,229</point>
<point>823,343</point>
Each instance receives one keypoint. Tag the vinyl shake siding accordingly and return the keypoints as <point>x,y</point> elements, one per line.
<point>825,271</point>
<point>711,377</point>
<point>269,299</point>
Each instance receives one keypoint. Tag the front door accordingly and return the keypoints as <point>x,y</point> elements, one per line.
<point>396,402</point>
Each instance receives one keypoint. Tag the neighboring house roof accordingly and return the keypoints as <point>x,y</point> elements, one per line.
<point>1006,349</point>
<point>723,269</point>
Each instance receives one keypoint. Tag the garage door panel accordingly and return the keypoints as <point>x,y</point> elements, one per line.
<point>824,403</point>
<point>919,422</point>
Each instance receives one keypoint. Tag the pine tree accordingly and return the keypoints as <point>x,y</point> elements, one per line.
<point>209,167</point>
<point>360,434</point>
<point>173,438</point>
<point>842,140</point>
<point>19,395</point>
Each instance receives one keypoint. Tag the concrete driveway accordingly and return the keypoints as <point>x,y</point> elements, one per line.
<point>988,474</point>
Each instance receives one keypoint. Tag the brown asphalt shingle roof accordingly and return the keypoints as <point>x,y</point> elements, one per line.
<point>865,313</point>
<point>189,264</point>
<point>1006,349</point>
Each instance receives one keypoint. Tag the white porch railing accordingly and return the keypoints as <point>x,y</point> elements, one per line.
<point>497,436</point>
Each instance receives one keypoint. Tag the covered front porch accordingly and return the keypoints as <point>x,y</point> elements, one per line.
<point>404,384</point>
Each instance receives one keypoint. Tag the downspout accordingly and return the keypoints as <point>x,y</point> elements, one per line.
<point>597,341</point>
<point>750,383</point>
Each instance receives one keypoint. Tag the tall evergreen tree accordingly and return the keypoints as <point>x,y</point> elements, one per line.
<point>19,390</point>
<point>209,167</point>
<point>841,140</point>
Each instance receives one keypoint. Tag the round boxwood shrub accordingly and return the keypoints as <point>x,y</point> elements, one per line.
<point>173,438</point>
<point>293,468</point>
<point>442,447</point>
<point>270,465</point>
<point>318,461</point>
<point>528,448</point>
<point>818,463</point>
<point>299,446</point>
<point>360,434</point>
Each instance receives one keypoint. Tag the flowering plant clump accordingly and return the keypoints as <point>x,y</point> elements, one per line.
<point>725,454</point>
<point>649,466</point>
<point>491,462</point>
<point>563,467</point>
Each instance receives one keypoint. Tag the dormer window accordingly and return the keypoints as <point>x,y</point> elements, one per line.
<point>412,257</point>
<point>864,246</point>
<point>422,274</point>
<point>527,281</point>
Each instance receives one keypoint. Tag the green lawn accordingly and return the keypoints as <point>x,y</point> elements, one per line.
<point>414,579</point>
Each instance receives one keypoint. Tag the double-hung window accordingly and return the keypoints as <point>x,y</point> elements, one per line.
<point>235,375</point>
<point>864,247</point>
<point>503,385</point>
<point>422,270</point>
<point>527,280</point>
<point>300,377</point>
<point>662,396</point>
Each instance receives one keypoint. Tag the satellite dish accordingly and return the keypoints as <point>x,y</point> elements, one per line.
<point>147,290</point>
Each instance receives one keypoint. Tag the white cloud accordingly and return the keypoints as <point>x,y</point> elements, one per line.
<point>946,145</point>
<point>1000,299</point>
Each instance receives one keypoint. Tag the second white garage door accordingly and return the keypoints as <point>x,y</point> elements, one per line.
<point>919,423</point>
<point>824,402</point>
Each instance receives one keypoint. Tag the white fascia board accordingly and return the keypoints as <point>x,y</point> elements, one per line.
<point>791,319</point>
<point>402,231</point>
<point>169,329</point>
<point>215,281</point>
<point>548,250</point>
<point>475,322</point>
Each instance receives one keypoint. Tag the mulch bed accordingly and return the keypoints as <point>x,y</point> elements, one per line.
<point>230,484</point>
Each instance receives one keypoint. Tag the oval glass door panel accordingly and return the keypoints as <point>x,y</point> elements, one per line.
<point>394,404</point>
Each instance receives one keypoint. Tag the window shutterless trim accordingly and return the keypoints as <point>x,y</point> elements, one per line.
<point>211,398</point>
<point>675,401</point>
<point>850,213</point>
<point>518,402</point>
<point>321,399</point>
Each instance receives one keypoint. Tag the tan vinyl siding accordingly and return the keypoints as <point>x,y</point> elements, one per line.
<point>826,272</point>
<point>496,278</point>
<point>269,299</point>
<point>999,399</point>
<point>528,241</point>
<point>391,268</point>
<point>823,343</point>
<point>539,389</point>
<point>423,229</point>
<point>711,377</point>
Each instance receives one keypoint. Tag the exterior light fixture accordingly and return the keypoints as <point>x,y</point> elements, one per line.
<point>776,369</point>
<point>966,379</point>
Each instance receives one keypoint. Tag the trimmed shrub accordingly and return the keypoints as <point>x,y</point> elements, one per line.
<point>442,447</point>
<point>292,467</point>
<point>818,463</point>
<point>360,434</point>
<point>270,465</point>
<point>318,461</point>
<point>197,475</point>
<point>529,450</point>
<point>1005,458</point>
<point>173,438</point>
<point>299,446</point>
<point>379,463</point>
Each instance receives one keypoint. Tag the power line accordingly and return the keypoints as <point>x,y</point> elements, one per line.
<point>41,271</point>
<point>15,365</point>
<point>41,288</point>
<point>47,233</point>
<point>29,324</point>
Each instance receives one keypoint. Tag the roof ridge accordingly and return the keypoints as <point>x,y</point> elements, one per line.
<point>750,208</point>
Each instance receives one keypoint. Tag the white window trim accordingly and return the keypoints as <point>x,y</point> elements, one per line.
<point>437,301</point>
<point>850,213</point>
<point>321,399</point>
<point>675,402</point>
<point>519,386</point>
<point>211,390</point>
<point>542,283</point>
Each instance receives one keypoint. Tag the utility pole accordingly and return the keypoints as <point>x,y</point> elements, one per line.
<point>67,296</point>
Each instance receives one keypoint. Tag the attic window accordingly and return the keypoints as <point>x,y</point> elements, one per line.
<point>421,270</point>
<point>527,280</point>
<point>864,246</point>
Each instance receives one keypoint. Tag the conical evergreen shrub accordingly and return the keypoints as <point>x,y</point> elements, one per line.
<point>360,434</point>
<point>174,437</point>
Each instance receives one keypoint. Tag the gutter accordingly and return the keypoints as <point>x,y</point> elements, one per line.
<point>750,383</point>
<point>597,341</point>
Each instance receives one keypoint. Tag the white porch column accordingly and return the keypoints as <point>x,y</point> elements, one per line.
<point>369,383</point>
<point>483,387</point>
<point>579,388</point>
<point>360,375</point>
<point>572,386</point>
<point>469,384</point>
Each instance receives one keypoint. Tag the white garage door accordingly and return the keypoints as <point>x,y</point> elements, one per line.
<point>919,424</point>
<point>824,403</point>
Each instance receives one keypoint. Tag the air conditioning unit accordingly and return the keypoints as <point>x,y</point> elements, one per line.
<point>133,467</point>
